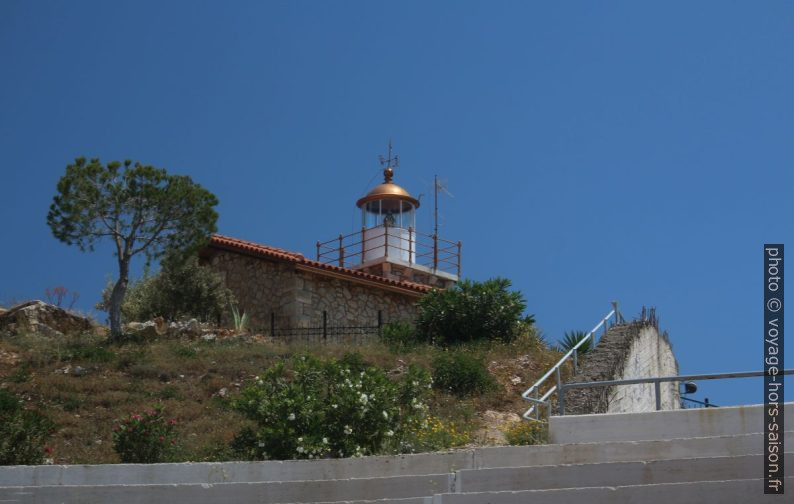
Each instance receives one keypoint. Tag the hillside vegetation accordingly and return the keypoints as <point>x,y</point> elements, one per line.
<point>163,393</point>
<point>84,385</point>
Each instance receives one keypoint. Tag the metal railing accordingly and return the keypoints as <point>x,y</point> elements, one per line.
<point>423,249</point>
<point>325,332</point>
<point>657,382</point>
<point>533,394</point>
<point>704,404</point>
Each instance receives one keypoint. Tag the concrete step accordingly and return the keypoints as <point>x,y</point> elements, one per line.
<point>622,451</point>
<point>354,489</point>
<point>371,467</point>
<point>237,472</point>
<point>744,491</point>
<point>611,474</point>
<point>673,424</point>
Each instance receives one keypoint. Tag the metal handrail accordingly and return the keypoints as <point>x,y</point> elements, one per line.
<point>532,394</point>
<point>657,381</point>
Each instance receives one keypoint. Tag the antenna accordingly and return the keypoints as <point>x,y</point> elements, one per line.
<point>438,185</point>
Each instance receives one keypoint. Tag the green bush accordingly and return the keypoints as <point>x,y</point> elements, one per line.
<point>399,336</point>
<point>309,408</point>
<point>145,438</point>
<point>471,311</point>
<point>23,432</point>
<point>181,289</point>
<point>461,373</point>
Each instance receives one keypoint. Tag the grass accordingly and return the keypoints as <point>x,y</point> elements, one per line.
<point>187,378</point>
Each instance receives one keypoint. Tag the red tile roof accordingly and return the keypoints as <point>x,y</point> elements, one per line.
<point>234,244</point>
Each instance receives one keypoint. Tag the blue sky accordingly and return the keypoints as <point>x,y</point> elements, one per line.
<point>595,150</point>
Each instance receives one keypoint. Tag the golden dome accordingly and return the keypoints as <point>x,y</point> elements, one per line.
<point>388,190</point>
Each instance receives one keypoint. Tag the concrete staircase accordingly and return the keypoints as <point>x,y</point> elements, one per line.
<point>686,456</point>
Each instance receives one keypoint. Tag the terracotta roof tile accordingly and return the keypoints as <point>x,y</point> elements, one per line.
<point>228,243</point>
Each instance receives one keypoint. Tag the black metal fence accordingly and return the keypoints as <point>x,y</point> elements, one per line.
<point>327,333</point>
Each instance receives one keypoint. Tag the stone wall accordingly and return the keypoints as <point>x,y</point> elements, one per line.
<point>635,350</point>
<point>346,303</point>
<point>260,286</point>
<point>298,298</point>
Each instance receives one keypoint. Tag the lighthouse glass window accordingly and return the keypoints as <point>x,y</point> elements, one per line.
<point>372,214</point>
<point>388,213</point>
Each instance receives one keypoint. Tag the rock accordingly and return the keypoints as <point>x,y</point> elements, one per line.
<point>209,337</point>
<point>193,327</point>
<point>494,423</point>
<point>79,371</point>
<point>160,325</point>
<point>38,317</point>
<point>515,380</point>
<point>142,330</point>
<point>223,392</point>
<point>9,358</point>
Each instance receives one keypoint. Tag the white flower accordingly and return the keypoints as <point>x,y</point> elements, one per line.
<point>300,439</point>
<point>416,383</point>
<point>300,449</point>
<point>261,444</point>
<point>363,398</point>
<point>291,416</point>
<point>385,415</point>
<point>334,406</point>
<point>348,430</point>
<point>325,440</point>
<point>389,433</point>
<point>311,456</point>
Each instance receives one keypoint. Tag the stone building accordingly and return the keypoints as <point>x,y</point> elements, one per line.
<point>366,278</point>
<point>285,289</point>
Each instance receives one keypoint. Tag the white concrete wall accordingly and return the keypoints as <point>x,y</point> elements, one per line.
<point>682,423</point>
<point>650,355</point>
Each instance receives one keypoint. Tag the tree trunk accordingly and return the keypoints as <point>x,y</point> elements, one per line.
<point>117,298</point>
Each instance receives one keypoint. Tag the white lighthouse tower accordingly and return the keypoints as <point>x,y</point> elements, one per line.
<point>389,244</point>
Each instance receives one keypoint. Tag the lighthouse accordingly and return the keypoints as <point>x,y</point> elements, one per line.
<point>388,243</point>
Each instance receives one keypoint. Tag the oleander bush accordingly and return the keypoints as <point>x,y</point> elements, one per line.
<point>472,311</point>
<point>145,438</point>
<point>23,432</point>
<point>309,408</point>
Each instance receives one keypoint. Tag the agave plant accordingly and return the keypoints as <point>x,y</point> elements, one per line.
<point>571,339</point>
<point>240,320</point>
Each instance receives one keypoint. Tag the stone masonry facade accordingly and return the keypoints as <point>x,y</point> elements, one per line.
<point>298,296</point>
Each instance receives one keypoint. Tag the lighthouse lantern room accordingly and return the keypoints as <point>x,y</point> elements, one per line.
<point>388,243</point>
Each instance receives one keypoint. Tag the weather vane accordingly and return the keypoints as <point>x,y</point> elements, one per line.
<point>391,161</point>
